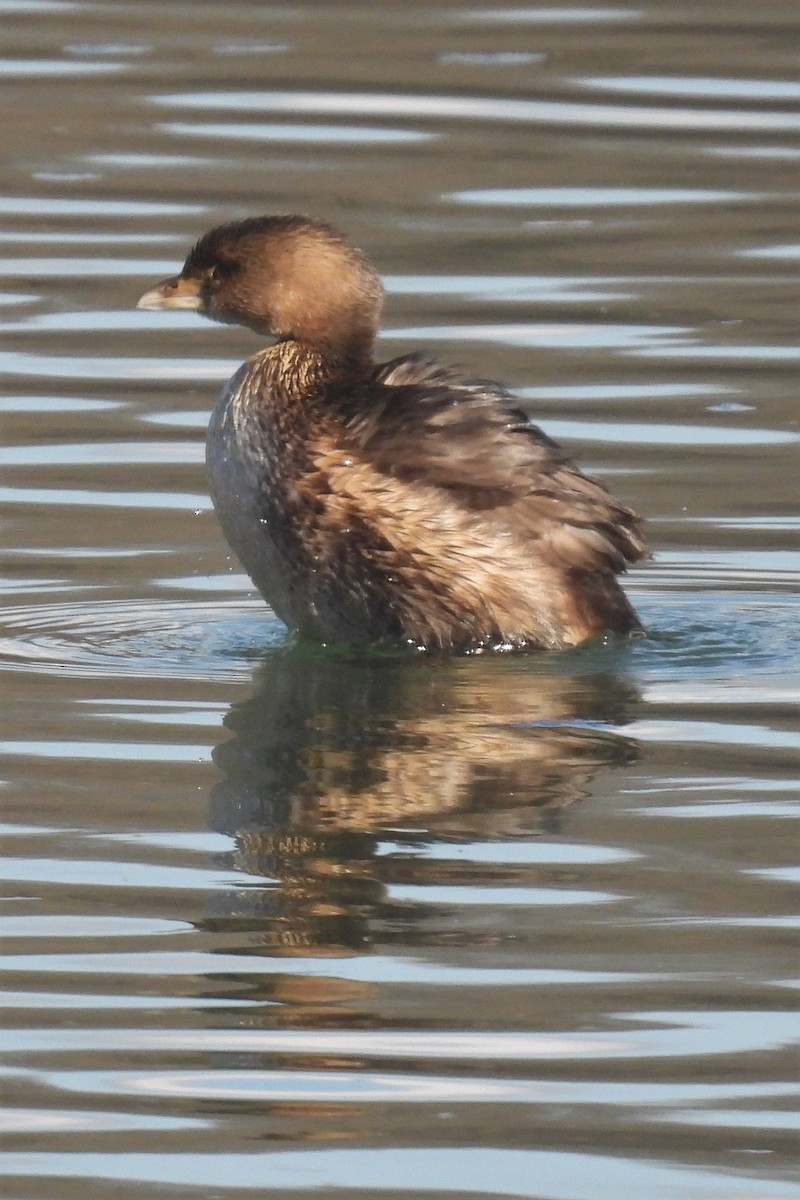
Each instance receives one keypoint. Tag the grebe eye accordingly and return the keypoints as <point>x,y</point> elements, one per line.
<point>221,270</point>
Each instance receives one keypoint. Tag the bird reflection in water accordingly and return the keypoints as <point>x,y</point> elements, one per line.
<point>342,776</point>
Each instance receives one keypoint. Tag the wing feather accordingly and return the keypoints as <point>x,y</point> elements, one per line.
<point>471,438</point>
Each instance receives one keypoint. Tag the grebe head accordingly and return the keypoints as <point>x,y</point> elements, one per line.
<point>288,276</point>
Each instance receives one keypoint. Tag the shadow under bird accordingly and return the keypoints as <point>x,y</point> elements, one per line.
<point>398,501</point>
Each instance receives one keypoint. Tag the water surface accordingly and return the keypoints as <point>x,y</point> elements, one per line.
<point>291,921</point>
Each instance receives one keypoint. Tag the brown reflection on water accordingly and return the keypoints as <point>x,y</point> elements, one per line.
<point>329,757</point>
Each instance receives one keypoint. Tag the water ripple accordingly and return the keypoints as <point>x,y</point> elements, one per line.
<point>588,197</point>
<point>473,1170</point>
<point>52,206</point>
<point>549,16</point>
<point>213,640</point>
<point>344,135</point>
<point>479,108</point>
<point>33,68</point>
<point>725,89</point>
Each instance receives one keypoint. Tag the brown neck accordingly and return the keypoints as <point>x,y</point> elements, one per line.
<point>302,371</point>
<point>353,358</point>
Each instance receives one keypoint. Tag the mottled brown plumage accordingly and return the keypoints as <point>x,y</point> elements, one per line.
<point>397,501</point>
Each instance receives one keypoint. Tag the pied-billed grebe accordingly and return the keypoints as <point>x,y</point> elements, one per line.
<point>397,501</point>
